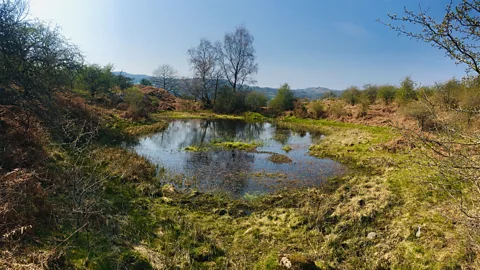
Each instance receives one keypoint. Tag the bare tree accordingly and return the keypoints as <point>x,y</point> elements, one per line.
<point>218,76</point>
<point>237,57</point>
<point>203,60</point>
<point>458,33</point>
<point>165,77</point>
<point>191,87</point>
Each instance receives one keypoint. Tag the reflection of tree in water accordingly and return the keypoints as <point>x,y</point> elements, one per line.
<point>197,132</point>
<point>237,130</point>
<point>302,133</point>
<point>282,135</point>
<point>222,170</point>
<point>183,133</point>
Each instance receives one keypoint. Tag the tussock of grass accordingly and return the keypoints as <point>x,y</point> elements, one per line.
<point>244,146</point>
<point>146,129</point>
<point>387,196</point>
<point>195,148</point>
<point>254,117</point>
<point>279,159</point>
<point>125,165</point>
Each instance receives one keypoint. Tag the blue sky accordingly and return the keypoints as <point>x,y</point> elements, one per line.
<point>329,43</point>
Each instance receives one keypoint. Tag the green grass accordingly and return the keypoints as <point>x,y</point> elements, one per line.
<point>244,146</point>
<point>224,145</point>
<point>194,115</point>
<point>390,187</point>
<point>194,148</point>
<point>145,129</point>
<point>384,192</point>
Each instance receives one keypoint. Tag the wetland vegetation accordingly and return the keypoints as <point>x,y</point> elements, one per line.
<point>97,172</point>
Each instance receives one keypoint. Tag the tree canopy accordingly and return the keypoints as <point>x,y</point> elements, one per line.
<point>35,59</point>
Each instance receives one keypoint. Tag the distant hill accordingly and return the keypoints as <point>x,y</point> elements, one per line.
<point>315,92</point>
<point>136,77</point>
<point>310,92</point>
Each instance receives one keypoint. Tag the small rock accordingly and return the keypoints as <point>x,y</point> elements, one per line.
<point>419,233</point>
<point>285,262</point>
<point>297,261</point>
<point>371,235</point>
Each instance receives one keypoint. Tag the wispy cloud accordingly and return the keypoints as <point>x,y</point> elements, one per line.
<point>353,29</point>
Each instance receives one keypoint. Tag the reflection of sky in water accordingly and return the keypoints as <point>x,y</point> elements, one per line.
<point>236,172</point>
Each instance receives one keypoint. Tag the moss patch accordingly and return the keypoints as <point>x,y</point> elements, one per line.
<point>279,159</point>
<point>254,117</point>
<point>146,129</point>
<point>244,146</point>
<point>195,148</point>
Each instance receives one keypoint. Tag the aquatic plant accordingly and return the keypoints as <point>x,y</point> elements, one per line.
<point>287,148</point>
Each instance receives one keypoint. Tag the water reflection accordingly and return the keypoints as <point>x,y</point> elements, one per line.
<point>236,172</point>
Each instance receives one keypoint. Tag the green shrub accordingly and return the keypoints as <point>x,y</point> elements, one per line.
<point>316,109</point>
<point>469,100</point>
<point>406,92</point>
<point>139,105</point>
<point>255,100</point>
<point>371,92</point>
<point>387,93</point>
<point>449,93</point>
<point>351,95</point>
<point>283,101</point>
<point>229,101</point>
<point>337,109</point>
<point>364,102</point>
<point>423,113</point>
<point>146,82</point>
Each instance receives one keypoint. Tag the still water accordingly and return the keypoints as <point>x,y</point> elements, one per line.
<point>232,171</point>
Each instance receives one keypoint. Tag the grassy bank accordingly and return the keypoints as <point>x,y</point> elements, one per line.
<point>194,115</point>
<point>389,195</point>
<point>381,215</point>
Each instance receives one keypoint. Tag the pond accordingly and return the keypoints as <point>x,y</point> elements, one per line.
<point>236,172</point>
